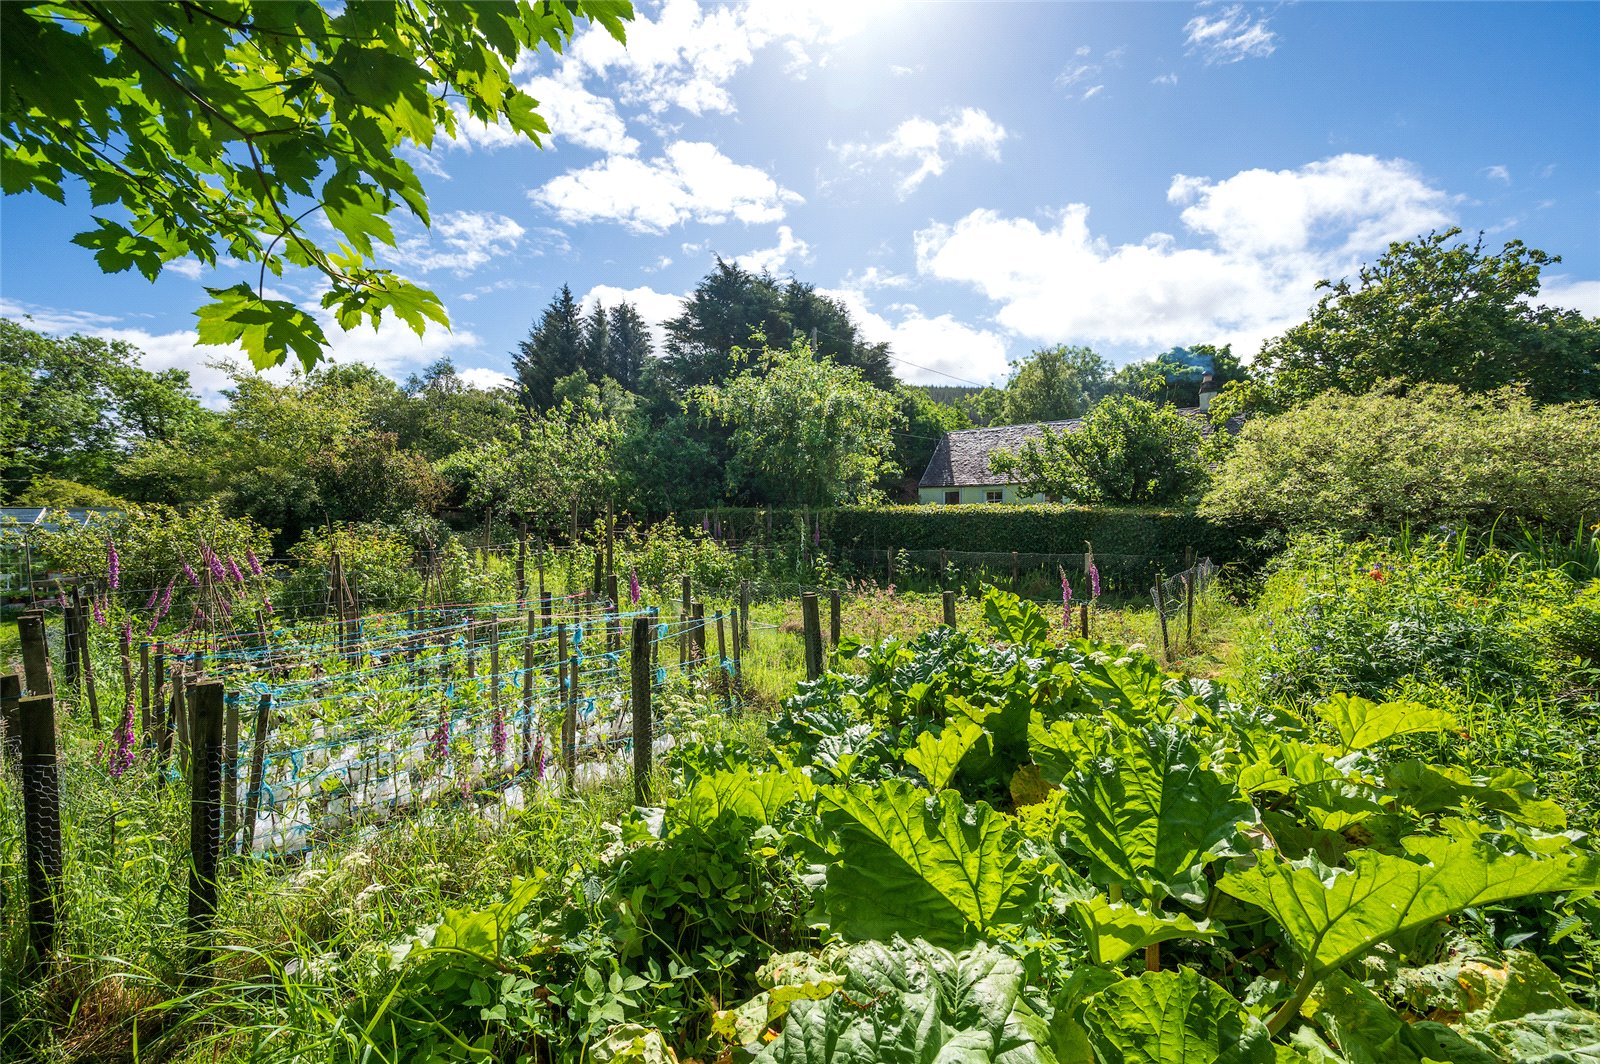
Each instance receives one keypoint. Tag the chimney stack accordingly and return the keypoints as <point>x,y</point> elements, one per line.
<point>1208,390</point>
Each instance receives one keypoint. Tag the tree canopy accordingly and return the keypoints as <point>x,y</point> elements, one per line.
<point>1127,450</point>
<point>813,431</point>
<point>1434,310</point>
<point>1421,453</point>
<point>248,129</point>
<point>1055,384</point>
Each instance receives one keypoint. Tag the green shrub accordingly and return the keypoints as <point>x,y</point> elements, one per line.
<point>1363,618</point>
<point>379,565</point>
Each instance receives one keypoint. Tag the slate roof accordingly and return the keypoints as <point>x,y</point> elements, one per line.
<point>962,457</point>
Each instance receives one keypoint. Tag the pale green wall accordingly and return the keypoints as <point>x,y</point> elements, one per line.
<point>1008,494</point>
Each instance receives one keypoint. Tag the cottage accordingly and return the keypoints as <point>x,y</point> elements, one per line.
<point>959,471</point>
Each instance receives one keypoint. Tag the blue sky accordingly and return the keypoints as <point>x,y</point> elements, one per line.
<point>975,180</point>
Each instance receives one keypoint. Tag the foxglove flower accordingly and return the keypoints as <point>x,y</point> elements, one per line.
<point>633,588</point>
<point>150,603</point>
<point>254,562</point>
<point>188,571</point>
<point>215,565</point>
<point>497,736</point>
<point>1094,581</point>
<point>113,564</point>
<point>99,614</point>
<point>235,572</point>
<point>1066,600</point>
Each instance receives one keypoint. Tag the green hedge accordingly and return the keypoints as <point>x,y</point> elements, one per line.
<point>1047,528</point>
<point>1041,529</point>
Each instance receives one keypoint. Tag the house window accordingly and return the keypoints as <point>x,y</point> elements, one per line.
<point>951,498</point>
<point>992,496</point>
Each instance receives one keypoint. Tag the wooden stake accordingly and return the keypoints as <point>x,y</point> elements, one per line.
<point>811,628</point>
<point>949,598</point>
<point>35,656</point>
<point>744,613</point>
<point>11,714</point>
<point>527,689</point>
<point>205,801</point>
<point>41,818</point>
<point>643,716</point>
<point>258,766</point>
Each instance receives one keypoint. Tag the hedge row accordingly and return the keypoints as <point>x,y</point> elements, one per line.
<point>1047,528</point>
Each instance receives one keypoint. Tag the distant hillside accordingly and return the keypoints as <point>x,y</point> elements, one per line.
<point>946,393</point>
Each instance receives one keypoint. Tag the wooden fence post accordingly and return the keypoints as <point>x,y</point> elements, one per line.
<point>1159,595</point>
<point>86,669</point>
<point>643,721</point>
<point>722,653</point>
<point>811,626</point>
<point>522,562</point>
<point>205,801</point>
<point>144,691</point>
<point>738,663</point>
<point>944,566</point>
<point>70,609</point>
<point>258,768</point>
<point>161,719</point>
<point>569,729</point>
<point>1188,605</point>
<point>744,613</point>
<point>683,617</point>
<point>527,691</point>
<point>698,628</point>
<point>35,655</point>
<point>1016,572</point>
<point>41,817</point>
<point>11,714</point>
<point>949,598</point>
<point>230,773</point>
<point>613,607</point>
<point>1083,618</point>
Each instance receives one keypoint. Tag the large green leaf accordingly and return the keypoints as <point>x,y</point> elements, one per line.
<point>1116,930</point>
<point>911,1002</point>
<point>1173,1017</point>
<point>1148,811</point>
<point>1434,789</point>
<point>1369,1032</point>
<point>938,756</point>
<point>1015,619</point>
<point>742,792</point>
<point>1362,723</point>
<point>912,863</point>
<point>1335,914</point>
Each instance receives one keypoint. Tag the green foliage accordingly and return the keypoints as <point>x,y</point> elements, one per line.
<point>558,458</point>
<point>1127,450</point>
<point>243,132</point>
<point>910,1001</point>
<point>379,563</point>
<point>924,423</point>
<point>1175,376</point>
<point>925,864</point>
<point>61,494</point>
<point>731,305</point>
<point>1432,311</point>
<point>72,407</point>
<point>1174,1018</point>
<point>1362,618</point>
<point>1054,384</point>
<point>1418,454</point>
<point>814,431</point>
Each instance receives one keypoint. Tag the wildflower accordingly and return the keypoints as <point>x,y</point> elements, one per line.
<point>99,613</point>
<point>266,604</point>
<point>189,572</point>
<point>633,587</point>
<point>1094,580</point>
<point>235,572</point>
<point>254,562</point>
<point>213,563</point>
<point>113,564</point>
<point>150,603</point>
<point>497,737</point>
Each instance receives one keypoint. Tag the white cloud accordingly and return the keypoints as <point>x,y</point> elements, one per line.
<point>900,71</point>
<point>578,115</point>
<point>460,241</point>
<point>1497,173</point>
<point>188,267</point>
<point>1164,79</point>
<point>487,379</point>
<point>773,259</point>
<point>1093,91</point>
<point>1569,293</point>
<point>924,142</point>
<point>655,307</point>
<point>1262,239</point>
<point>937,350</point>
<point>392,349</point>
<point>1229,36</point>
<point>686,56</point>
<point>873,277</point>
<point>693,181</point>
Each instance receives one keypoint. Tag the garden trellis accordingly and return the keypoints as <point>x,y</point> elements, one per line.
<point>338,727</point>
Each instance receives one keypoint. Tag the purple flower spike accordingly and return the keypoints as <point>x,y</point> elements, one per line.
<point>113,564</point>
<point>122,752</point>
<point>99,614</point>
<point>254,562</point>
<point>633,587</point>
<point>189,572</point>
<point>235,572</point>
<point>155,594</point>
<point>215,565</point>
<point>1066,600</point>
<point>1094,580</point>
